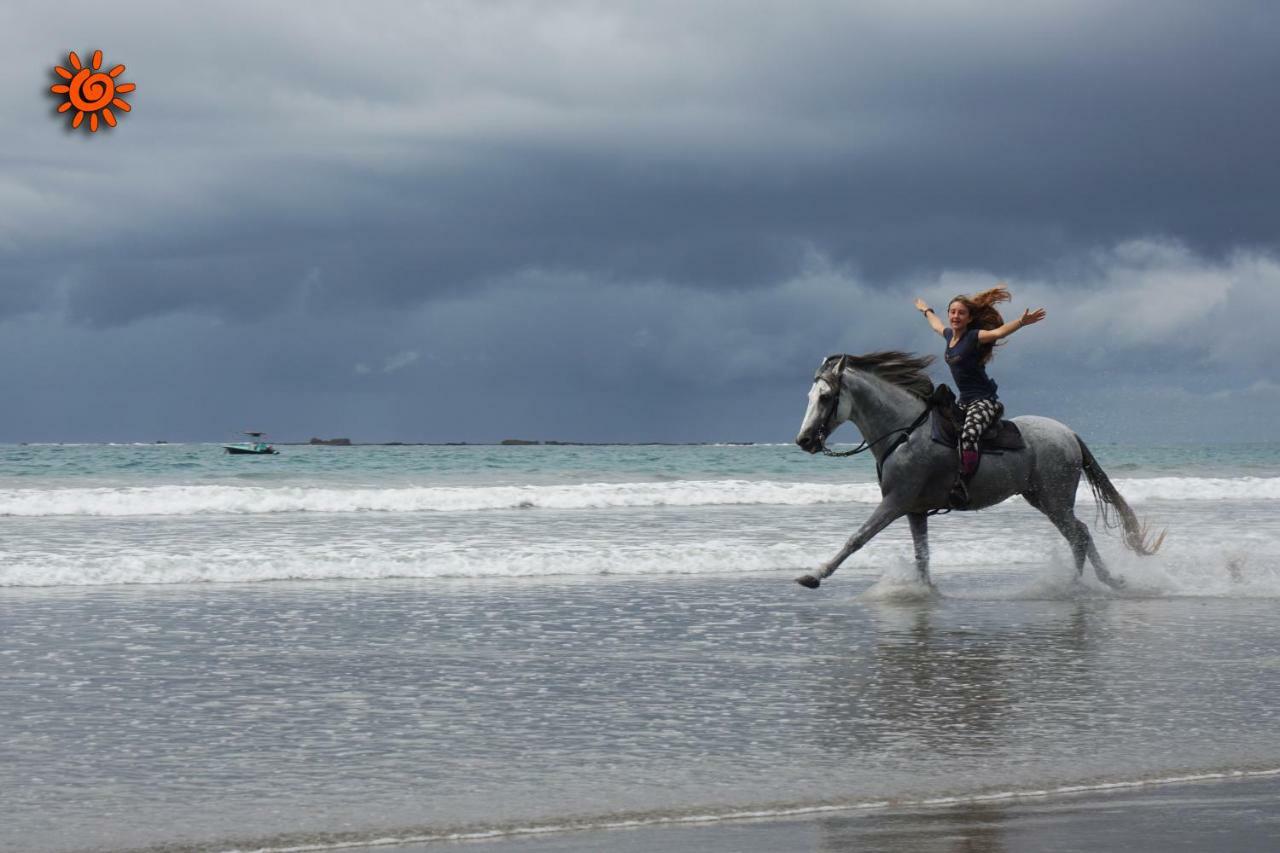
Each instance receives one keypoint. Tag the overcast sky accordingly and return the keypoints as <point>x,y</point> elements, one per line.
<point>631,221</point>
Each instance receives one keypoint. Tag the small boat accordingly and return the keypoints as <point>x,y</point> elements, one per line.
<point>257,447</point>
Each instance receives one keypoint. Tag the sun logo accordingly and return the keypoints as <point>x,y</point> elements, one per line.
<point>91,91</point>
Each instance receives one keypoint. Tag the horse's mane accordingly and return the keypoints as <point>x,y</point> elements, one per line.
<point>904,369</point>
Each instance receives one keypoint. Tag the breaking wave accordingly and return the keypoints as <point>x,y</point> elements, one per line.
<point>242,500</point>
<point>250,500</point>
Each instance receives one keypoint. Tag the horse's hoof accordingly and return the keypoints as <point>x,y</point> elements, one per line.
<point>1113,581</point>
<point>808,581</point>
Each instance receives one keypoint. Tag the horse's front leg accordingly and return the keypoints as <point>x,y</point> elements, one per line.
<point>920,538</point>
<point>885,514</point>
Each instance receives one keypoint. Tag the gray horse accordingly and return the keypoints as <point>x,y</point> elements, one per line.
<point>885,395</point>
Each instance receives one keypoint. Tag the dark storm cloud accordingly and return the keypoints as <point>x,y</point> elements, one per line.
<point>708,146</point>
<point>646,218</point>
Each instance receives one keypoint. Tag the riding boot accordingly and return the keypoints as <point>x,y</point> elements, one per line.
<point>958,498</point>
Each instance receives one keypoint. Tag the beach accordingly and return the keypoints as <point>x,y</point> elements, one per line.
<point>350,650</point>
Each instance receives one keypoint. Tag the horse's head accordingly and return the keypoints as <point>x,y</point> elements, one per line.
<point>825,411</point>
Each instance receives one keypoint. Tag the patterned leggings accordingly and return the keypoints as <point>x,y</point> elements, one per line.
<point>978,415</point>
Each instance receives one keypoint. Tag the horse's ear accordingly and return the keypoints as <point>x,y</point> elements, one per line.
<point>824,367</point>
<point>832,364</point>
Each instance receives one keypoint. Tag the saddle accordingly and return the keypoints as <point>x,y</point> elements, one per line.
<point>946,418</point>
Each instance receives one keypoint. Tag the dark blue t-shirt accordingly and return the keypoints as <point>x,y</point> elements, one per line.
<point>967,369</point>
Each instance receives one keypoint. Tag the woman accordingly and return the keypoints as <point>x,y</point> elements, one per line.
<point>974,328</point>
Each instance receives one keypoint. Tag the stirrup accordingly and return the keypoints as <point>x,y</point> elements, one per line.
<point>958,497</point>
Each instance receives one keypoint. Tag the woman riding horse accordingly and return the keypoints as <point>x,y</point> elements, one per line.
<point>975,329</point>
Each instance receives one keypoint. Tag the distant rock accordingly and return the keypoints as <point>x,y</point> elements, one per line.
<point>518,441</point>
<point>331,442</point>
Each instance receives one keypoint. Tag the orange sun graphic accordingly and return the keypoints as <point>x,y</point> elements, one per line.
<point>91,91</point>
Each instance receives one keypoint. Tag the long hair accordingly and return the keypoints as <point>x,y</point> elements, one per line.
<point>983,313</point>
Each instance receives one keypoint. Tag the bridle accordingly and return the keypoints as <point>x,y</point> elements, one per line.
<point>834,377</point>
<point>835,380</point>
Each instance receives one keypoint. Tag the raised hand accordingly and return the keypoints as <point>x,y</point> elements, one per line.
<point>1029,316</point>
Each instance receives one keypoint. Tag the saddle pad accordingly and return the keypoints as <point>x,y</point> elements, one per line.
<point>1002,435</point>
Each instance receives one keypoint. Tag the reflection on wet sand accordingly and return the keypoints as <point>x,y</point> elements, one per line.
<point>927,684</point>
<point>964,828</point>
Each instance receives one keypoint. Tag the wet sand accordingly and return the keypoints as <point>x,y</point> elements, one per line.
<point>324,716</point>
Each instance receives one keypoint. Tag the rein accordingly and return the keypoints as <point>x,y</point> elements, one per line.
<point>903,433</point>
<point>867,445</point>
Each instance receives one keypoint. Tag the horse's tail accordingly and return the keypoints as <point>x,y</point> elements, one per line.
<point>1136,533</point>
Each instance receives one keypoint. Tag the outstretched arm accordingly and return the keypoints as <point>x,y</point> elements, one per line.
<point>986,336</point>
<point>930,315</point>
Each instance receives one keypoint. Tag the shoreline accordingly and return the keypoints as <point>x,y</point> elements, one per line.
<point>1192,812</point>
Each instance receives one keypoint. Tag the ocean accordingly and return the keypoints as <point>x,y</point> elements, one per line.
<point>337,648</point>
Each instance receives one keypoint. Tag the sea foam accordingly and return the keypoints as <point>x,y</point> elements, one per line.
<point>249,500</point>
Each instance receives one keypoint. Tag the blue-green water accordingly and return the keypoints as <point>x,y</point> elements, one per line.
<point>131,464</point>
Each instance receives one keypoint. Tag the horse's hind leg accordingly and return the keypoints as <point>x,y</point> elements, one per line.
<point>920,538</point>
<point>1064,519</point>
<point>1099,568</point>
<point>1077,534</point>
